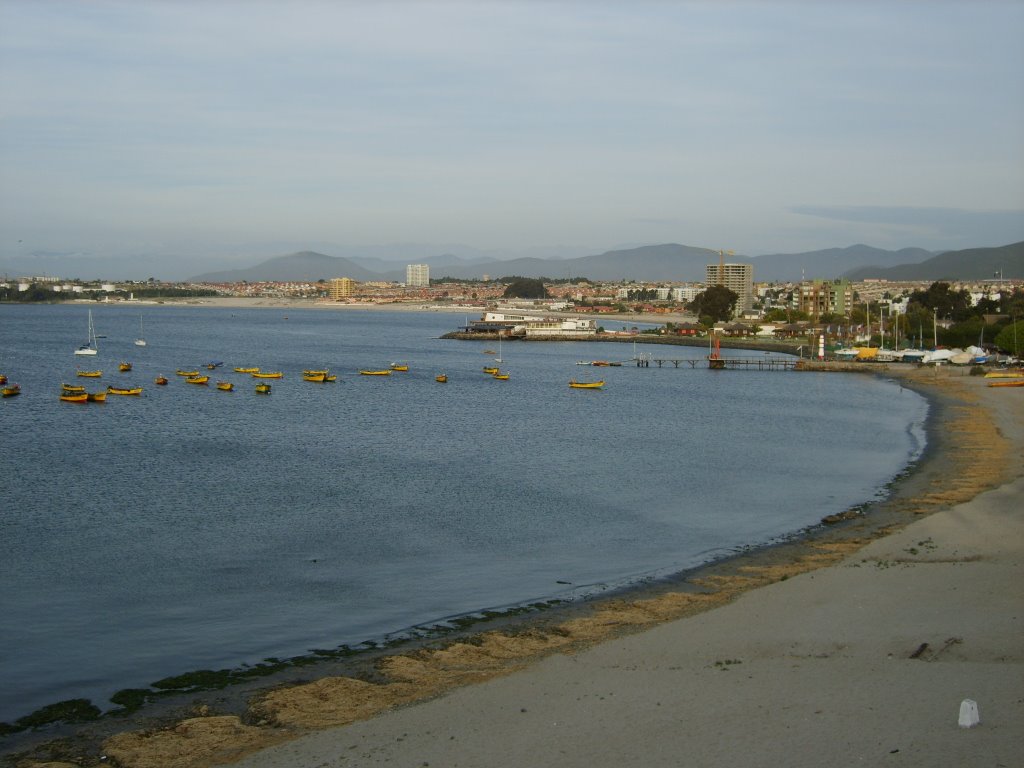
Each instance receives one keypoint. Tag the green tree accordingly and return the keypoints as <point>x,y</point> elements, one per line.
<point>525,288</point>
<point>943,300</point>
<point>717,302</point>
<point>1011,338</point>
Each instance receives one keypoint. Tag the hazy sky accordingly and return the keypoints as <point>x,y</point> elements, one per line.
<point>184,127</point>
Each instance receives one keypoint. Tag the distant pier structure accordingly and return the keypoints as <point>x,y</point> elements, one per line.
<point>727,363</point>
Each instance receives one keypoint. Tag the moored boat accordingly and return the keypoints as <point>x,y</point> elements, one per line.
<point>442,378</point>
<point>267,375</point>
<point>314,376</point>
<point>225,386</point>
<point>399,367</point>
<point>500,376</point>
<point>586,384</point>
<point>11,390</point>
<point>182,372</point>
<point>314,371</point>
<point>331,377</point>
<point>124,367</point>
<point>96,397</point>
<point>160,380</point>
<point>72,388</point>
<point>490,370</point>
<point>90,374</point>
<point>375,373</point>
<point>3,379</point>
<point>74,397</point>
<point>112,390</point>
<point>263,389</point>
<point>197,380</point>
<point>247,370</point>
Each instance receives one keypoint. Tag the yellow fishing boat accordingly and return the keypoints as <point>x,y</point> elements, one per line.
<point>491,371</point>
<point>267,375</point>
<point>90,374</point>
<point>181,372</point>
<point>124,367</point>
<point>375,373</point>
<point>72,389</point>
<point>443,378</point>
<point>399,367</point>
<point>11,390</point>
<point>161,380</point>
<point>247,370</point>
<point>96,397</point>
<point>500,376</point>
<point>586,384</point>
<point>74,397</point>
<point>262,389</point>
<point>111,390</point>
<point>314,372</point>
<point>197,380</point>
<point>226,386</point>
<point>331,377</point>
<point>1005,375</point>
<point>1007,383</point>
<point>314,376</point>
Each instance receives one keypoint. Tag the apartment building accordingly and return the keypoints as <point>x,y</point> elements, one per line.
<point>738,278</point>
<point>340,287</point>
<point>417,275</point>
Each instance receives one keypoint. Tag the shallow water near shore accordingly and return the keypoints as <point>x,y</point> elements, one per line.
<point>191,528</point>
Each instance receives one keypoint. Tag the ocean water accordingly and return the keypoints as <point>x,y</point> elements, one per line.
<point>191,528</point>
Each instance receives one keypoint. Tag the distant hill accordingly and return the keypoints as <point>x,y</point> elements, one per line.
<point>970,264</point>
<point>305,266</point>
<point>652,263</point>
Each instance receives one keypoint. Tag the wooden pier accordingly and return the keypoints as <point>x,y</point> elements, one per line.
<point>731,363</point>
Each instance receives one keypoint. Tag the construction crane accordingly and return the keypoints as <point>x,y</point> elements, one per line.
<point>721,265</point>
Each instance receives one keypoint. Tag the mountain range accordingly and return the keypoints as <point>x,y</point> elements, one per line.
<point>654,263</point>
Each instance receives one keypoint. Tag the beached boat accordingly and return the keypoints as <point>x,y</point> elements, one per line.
<point>1005,374</point>
<point>262,389</point>
<point>586,384</point>
<point>197,380</point>
<point>399,367</point>
<point>72,388</point>
<point>96,397</point>
<point>112,390</point>
<point>182,372</point>
<point>267,375</point>
<point>141,341</point>
<point>225,386</point>
<point>442,378</point>
<point>11,390</point>
<point>490,370</point>
<point>124,367</point>
<point>74,397</point>
<point>160,380</point>
<point>375,373</point>
<point>247,370</point>
<point>90,347</point>
<point>500,376</point>
<point>1007,383</point>
<point>90,374</point>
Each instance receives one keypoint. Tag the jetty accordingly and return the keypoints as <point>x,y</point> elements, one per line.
<point>725,363</point>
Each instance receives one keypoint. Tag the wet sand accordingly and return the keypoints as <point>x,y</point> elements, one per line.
<point>852,645</point>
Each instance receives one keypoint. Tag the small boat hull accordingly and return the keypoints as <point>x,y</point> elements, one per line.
<point>160,381</point>
<point>197,380</point>
<point>90,374</point>
<point>268,375</point>
<point>1007,383</point>
<point>136,391</point>
<point>11,391</point>
<point>77,397</point>
<point>262,389</point>
<point>96,397</point>
<point>442,379</point>
<point>124,367</point>
<point>586,384</point>
<point>247,370</point>
<point>375,373</point>
<point>181,372</point>
<point>225,386</point>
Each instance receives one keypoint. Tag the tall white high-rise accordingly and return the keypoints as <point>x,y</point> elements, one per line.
<point>417,275</point>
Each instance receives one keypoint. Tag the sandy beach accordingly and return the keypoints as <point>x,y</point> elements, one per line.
<point>854,646</point>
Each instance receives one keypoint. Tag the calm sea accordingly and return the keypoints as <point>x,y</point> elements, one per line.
<point>192,528</point>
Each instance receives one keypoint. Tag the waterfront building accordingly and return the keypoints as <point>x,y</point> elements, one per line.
<point>533,326</point>
<point>340,288</point>
<point>417,275</point>
<point>738,278</point>
<point>822,297</point>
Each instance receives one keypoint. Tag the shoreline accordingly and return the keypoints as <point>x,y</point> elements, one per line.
<point>434,669</point>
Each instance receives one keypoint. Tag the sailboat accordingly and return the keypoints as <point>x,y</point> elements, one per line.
<point>498,358</point>
<point>90,347</point>
<point>141,341</point>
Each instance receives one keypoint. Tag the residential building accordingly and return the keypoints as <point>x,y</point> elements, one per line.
<point>825,297</point>
<point>340,287</point>
<point>738,278</point>
<point>417,275</point>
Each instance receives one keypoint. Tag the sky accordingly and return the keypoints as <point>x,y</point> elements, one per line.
<point>171,136</point>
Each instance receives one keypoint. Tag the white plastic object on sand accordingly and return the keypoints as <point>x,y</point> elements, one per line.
<point>969,716</point>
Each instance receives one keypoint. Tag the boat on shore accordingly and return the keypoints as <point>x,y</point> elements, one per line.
<point>1008,374</point>
<point>1007,383</point>
<point>586,384</point>
<point>112,390</point>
